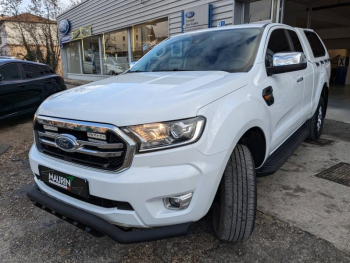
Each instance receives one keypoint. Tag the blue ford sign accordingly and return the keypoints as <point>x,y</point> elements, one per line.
<point>66,142</point>
<point>221,23</point>
<point>197,17</point>
<point>64,26</point>
<point>189,14</point>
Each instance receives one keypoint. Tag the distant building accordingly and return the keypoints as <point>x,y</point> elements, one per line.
<point>102,36</point>
<point>11,41</point>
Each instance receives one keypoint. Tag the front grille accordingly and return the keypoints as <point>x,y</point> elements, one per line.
<point>113,154</point>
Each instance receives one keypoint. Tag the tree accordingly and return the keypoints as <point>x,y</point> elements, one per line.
<point>36,29</point>
<point>72,4</point>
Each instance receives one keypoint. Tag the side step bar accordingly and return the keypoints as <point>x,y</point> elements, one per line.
<point>100,227</point>
<point>281,155</point>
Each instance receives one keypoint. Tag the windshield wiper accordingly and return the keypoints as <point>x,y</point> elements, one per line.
<point>175,69</point>
<point>136,71</point>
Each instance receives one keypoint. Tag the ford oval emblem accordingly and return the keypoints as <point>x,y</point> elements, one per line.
<point>64,27</point>
<point>66,142</point>
<point>190,14</point>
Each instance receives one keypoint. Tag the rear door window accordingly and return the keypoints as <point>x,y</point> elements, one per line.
<point>315,43</point>
<point>10,72</point>
<point>47,70</point>
<point>278,43</point>
<point>32,71</point>
<point>296,41</point>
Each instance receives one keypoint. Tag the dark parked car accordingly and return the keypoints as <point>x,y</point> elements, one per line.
<point>25,85</point>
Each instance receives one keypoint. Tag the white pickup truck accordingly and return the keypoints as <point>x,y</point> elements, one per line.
<point>186,129</point>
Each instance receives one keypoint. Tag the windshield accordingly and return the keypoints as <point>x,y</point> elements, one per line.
<point>231,50</point>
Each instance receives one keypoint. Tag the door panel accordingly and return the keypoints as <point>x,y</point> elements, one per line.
<point>288,90</point>
<point>11,88</point>
<point>308,77</point>
<point>34,92</point>
<point>53,83</point>
<point>285,112</point>
<point>308,92</point>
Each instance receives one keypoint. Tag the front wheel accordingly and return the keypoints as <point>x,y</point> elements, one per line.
<point>315,124</point>
<point>234,206</point>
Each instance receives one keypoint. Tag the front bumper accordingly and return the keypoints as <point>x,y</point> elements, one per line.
<point>151,177</point>
<point>99,227</point>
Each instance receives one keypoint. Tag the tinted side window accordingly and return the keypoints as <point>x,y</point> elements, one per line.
<point>278,43</point>
<point>296,42</point>
<point>10,72</point>
<point>315,43</point>
<point>32,71</point>
<point>47,70</point>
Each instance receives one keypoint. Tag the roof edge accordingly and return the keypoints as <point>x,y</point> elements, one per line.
<point>70,9</point>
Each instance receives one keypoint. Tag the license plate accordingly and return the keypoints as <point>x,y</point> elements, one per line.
<point>66,182</point>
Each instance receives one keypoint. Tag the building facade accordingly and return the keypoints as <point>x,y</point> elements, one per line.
<point>101,38</point>
<point>11,40</point>
<point>28,33</point>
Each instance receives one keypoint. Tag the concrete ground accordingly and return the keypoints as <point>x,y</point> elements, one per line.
<point>339,103</point>
<point>315,205</point>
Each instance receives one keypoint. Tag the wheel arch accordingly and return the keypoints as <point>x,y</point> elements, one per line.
<point>324,95</point>
<point>255,140</point>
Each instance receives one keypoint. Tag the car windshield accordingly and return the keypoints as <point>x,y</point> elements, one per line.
<point>231,50</point>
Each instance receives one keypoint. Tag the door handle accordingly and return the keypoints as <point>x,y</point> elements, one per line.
<point>317,64</point>
<point>21,85</point>
<point>300,79</point>
<point>48,81</point>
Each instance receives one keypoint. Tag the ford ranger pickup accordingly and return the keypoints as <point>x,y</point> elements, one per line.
<point>144,155</point>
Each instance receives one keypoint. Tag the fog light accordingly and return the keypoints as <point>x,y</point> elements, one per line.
<point>180,202</point>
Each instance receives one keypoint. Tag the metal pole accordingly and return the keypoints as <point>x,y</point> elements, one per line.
<point>80,56</point>
<point>129,45</point>
<point>101,51</point>
<point>309,15</point>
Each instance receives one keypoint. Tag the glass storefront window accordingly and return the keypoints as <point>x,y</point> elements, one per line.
<point>115,56</point>
<point>258,11</point>
<point>73,57</point>
<point>147,35</point>
<point>91,55</point>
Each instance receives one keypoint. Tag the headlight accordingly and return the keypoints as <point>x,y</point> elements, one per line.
<point>155,136</point>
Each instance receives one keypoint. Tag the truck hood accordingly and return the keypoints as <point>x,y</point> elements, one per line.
<point>137,98</point>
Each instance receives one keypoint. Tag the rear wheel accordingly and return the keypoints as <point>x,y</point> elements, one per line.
<point>235,204</point>
<point>315,124</point>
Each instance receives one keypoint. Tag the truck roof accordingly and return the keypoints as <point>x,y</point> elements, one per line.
<point>253,25</point>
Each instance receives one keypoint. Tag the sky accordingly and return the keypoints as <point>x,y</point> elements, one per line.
<point>27,2</point>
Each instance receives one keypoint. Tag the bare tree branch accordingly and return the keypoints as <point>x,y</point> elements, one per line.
<point>38,35</point>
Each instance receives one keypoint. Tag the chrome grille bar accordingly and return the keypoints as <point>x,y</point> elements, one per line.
<point>109,149</point>
<point>86,151</point>
<point>83,143</point>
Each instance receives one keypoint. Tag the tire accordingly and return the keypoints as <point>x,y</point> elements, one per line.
<point>315,124</point>
<point>234,206</point>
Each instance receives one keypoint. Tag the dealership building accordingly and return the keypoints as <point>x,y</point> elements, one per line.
<point>100,38</point>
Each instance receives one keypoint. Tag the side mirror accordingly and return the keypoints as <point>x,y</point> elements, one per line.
<point>287,62</point>
<point>1,77</point>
